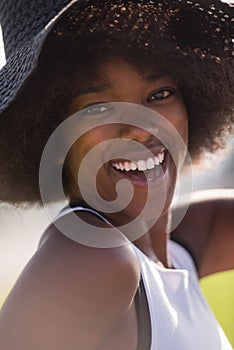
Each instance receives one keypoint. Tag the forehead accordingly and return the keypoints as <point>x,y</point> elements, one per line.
<point>105,74</point>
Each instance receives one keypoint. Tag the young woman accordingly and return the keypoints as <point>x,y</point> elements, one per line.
<point>109,92</point>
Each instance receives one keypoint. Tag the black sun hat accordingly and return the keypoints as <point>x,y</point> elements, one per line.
<point>198,27</point>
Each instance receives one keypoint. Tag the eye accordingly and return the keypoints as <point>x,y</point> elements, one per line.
<point>96,109</point>
<point>161,94</point>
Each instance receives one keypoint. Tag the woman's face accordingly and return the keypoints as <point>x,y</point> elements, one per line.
<point>118,81</point>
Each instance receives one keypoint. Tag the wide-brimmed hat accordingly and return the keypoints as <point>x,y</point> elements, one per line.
<point>202,27</point>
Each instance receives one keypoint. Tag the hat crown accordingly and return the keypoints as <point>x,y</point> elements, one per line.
<point>22,19</point>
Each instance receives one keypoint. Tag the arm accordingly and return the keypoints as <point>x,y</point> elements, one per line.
<point>207,231</point>
<point>69,296</point>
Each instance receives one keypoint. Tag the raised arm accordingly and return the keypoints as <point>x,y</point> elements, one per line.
<point>207,231</point>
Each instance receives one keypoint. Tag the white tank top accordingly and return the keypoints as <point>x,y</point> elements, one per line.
<point>180,316</point>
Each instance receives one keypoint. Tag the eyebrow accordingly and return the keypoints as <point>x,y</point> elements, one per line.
<point>103,86</point>
<point>154,77</point>
<point>95,88</point>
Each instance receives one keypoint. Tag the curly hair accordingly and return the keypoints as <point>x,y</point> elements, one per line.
<point>43,103</point>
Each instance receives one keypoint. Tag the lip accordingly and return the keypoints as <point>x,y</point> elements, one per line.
<point>143,178</point>
<point>136,156</point>
<point>131,150</point>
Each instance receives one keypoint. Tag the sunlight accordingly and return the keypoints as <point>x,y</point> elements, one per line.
<point>2,55</point>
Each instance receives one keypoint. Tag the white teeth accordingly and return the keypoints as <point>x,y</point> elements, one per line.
<point>161,157</point>
<point>141,165</point>
<point>121,166</point>
<point>156,161</point>
<point>133,166</point>
<point>127,166</point>
<point>150,164</point>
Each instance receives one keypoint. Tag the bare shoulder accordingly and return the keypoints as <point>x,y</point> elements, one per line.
<point>207,231</point>
<point>69,295</point>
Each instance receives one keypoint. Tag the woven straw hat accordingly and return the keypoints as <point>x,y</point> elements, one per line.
<point>204,27</point>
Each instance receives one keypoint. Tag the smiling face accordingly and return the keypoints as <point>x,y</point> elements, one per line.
<point>118,81</point>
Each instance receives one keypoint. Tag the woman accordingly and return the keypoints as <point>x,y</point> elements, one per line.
<point>136,87</point>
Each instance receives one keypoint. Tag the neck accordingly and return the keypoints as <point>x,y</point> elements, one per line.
<point>154,243</point>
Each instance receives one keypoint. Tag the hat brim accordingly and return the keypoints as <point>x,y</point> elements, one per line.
<point>22,63</point>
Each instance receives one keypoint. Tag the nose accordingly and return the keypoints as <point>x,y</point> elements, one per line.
<point>136,134</point>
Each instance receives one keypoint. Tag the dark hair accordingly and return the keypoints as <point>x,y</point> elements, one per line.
<point>206,85</point>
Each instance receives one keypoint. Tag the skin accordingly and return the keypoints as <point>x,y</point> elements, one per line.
<point>207,232</point>
<point>73,296</point>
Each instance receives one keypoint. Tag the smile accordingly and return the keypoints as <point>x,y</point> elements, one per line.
<point>141,165</point>
<point>155,169</point>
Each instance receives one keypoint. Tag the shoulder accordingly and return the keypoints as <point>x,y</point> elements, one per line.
<point>66,290</point>
<point>104,258</point>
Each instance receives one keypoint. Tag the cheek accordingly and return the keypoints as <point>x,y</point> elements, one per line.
<point>88,150</point>
<point>179,119</point>
<point>75,156</point>
<point>183,128</point>
<point>82,146</point>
